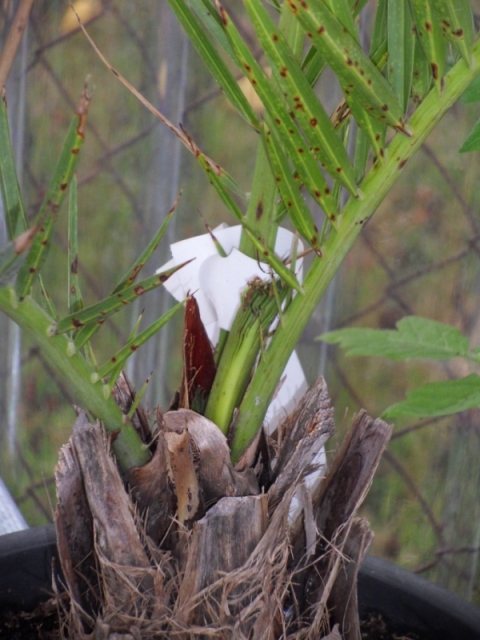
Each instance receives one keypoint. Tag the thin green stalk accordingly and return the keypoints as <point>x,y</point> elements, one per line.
<point>75,372</point>
<point>375,187</point>
<point>247,336</point>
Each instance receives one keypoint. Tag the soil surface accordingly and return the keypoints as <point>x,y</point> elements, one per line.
<point>43,624</point>
<point>375,628</point>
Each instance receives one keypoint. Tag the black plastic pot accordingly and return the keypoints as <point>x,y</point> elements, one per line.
<point>406,602</point>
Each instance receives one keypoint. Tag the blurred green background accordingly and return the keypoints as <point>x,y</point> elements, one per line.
<point>420,254</point>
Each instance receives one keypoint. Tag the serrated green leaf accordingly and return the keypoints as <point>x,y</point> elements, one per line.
<point>456,21</point>
<point>97,313</point>
<point>296,147</point>
<point>12,199</point>
<point>415,337</point>
<point>401,43</point>
<point>472,142</point>
<point>303,102</point>
<point>360,79</point>
<point>48,213</point>
<point>438,399</point>
<point>213,60</point>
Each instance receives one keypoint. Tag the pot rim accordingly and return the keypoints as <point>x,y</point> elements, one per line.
<point>407,602</point>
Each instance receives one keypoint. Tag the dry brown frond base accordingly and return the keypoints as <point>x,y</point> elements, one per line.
<point>198,549</point>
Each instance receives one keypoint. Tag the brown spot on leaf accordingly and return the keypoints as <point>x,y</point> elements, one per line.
<point>313,122</point>
<point>259,211</point>
<point>139,290</point>
<point>223,15</point>
<point>74,266</point>
<point>321,30</point>
<point>384,107</point>
<point>77,323</point>
<point>402,164</point>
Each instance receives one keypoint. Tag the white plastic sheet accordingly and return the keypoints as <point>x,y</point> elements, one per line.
<point>217,283</point>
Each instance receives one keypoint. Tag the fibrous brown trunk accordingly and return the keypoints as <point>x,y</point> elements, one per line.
<point>190,547</point>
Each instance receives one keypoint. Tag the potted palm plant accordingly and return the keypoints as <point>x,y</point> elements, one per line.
<point>173,555</point>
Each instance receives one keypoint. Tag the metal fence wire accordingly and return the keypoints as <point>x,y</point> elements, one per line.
<point>418,255</point>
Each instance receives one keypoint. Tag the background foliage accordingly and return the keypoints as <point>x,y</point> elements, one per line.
<point>418,255</point>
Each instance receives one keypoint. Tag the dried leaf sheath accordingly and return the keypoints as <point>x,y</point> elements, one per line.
<point>199,367</point>
<point>232,573</point>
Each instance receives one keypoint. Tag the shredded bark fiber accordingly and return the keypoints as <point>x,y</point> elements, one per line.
<point>190,547</point>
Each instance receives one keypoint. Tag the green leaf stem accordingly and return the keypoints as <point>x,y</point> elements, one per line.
<point>75,373</point>
<point>97,313</point>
